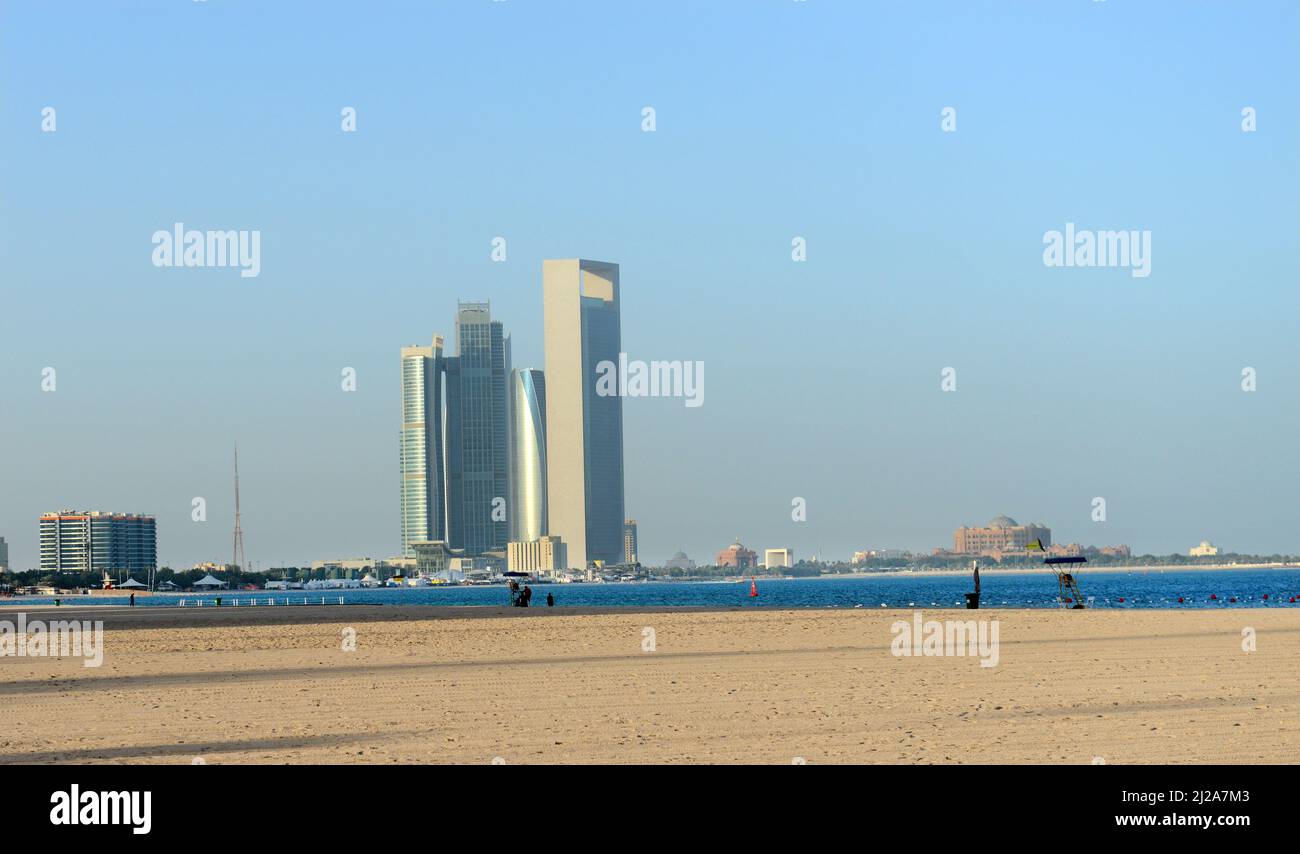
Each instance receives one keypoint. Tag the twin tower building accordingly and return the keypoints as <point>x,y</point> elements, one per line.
<point>492,455</point>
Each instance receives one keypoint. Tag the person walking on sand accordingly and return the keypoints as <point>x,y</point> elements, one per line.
<point>132,600</point>
<point>550,601</point>
<point>528,595</point>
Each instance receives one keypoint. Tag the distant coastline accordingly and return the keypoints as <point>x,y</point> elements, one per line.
<point>1080,569</point>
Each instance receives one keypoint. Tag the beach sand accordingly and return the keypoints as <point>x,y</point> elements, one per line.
<point>477,685</point>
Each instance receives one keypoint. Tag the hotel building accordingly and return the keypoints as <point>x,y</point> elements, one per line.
<point>629,541</point>
<point>737,556</point>
<point>1002,534</point>
<point>98,542</point>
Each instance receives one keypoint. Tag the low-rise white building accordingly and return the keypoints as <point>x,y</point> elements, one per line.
<point>356,564</point>
<point>1205,549</point>
<point>544,554</point>
<point>778,558</point>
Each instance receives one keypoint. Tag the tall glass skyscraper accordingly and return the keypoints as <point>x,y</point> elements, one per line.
<point>528,454</point>
<point>478,462</point>
<point>424,510</point>
<point>584,429</point>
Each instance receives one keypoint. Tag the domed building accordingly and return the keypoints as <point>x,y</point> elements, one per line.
<point>1001,535</point>
<point>680,561</point>
<point>736,555</point>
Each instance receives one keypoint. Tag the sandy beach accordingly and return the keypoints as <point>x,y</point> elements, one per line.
<point>478,685</point>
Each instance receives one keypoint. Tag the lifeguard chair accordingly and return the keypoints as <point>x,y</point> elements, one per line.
<point>1068,594</point>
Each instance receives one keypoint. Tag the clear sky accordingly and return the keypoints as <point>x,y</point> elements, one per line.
<point>774,119</point>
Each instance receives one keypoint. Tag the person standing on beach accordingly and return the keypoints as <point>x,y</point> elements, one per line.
<point>550,600</point>
<point>132,600</point>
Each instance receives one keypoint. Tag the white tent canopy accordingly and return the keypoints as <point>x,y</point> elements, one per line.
<point>209,581</point>
<point>131,582</point>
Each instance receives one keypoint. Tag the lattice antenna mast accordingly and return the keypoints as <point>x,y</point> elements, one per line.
<point>237,557</point>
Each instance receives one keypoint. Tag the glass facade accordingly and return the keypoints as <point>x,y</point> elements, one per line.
<point>478,462</point>
<point>602,431</point>
<point>421,446</point>
<point>528,455</point>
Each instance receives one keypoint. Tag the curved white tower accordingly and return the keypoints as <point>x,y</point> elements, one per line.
<point>528,454</point>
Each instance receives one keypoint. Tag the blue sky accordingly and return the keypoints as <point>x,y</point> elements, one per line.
<point>774,119</point>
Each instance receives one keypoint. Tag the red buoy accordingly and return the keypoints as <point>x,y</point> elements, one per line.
<point>1232,598</point>
<point>753,586</point>
<point>1214,596</point>
<point>1265,595</point>
<point>1121,598</point>
<point>1180,600</point>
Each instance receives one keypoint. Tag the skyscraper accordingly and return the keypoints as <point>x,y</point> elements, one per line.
<point>584,430</point>
<point>629,541</point>
<point>423,488</point>
<point>528,454</point>
<point>478,449</point>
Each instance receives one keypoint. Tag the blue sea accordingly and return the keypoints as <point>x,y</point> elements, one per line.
<point>1136,589</point>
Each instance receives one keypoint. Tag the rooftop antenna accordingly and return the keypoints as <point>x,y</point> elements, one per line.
<point>237,557</point>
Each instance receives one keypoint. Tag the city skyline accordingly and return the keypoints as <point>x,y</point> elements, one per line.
<point>924,251</point>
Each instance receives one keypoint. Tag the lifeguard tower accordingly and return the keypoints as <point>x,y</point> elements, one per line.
<point>1068,594</point>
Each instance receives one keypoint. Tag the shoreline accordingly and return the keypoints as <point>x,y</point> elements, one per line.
<point>123,617</point>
